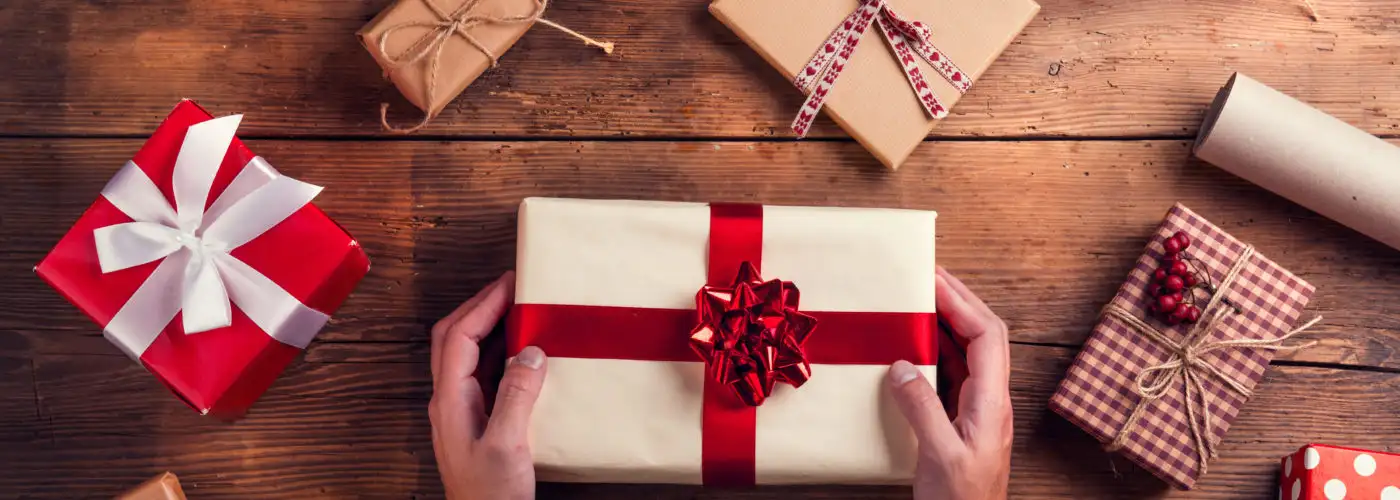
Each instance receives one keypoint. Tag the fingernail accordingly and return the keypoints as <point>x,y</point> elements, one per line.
<point>530,357</point>
<point>903,372</point>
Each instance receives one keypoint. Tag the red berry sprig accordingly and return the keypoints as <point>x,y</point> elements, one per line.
<point>1174,284</point>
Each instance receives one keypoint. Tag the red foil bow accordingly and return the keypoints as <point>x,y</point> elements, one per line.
<point>907,38</point>
<point>750,335</point>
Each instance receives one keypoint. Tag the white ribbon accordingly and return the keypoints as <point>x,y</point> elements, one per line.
<point>198,275</point>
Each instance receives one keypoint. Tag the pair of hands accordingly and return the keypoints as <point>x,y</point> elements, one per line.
<point>967,458</point>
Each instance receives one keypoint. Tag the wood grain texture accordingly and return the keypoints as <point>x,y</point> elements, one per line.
<point>1141,68</point>
<point>1045,233</point>
<point>1044,229</point>
<point>339,428</point>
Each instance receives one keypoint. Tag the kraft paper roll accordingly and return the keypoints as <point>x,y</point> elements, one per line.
<point>1305,155</point>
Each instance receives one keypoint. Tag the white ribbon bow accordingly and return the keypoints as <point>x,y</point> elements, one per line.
<point>198,275</point>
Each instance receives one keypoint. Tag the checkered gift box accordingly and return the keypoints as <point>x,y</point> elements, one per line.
<point>1100,391</point>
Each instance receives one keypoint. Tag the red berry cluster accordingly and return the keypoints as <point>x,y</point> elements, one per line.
<point>1173,284</point>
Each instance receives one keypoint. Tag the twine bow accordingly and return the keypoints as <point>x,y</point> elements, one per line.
<point>1186,362</point>
<point>448,24</point>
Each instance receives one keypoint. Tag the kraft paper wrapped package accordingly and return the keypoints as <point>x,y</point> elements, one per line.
<point>609,289</point>
<point>163,487</point>
<point>433,49</point>
<point>1305,155</point>
<point>459,62</point>
<point>891,91</point>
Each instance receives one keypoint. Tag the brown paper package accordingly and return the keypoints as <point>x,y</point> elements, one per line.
<point>872,100</point>
<point>163,487</point>
<point>460,63</point>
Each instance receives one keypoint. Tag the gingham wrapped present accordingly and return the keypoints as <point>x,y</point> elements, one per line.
<point>1172,433</point>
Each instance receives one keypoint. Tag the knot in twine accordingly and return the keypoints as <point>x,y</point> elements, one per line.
<point>458,22</point>
<point>1186,361</point>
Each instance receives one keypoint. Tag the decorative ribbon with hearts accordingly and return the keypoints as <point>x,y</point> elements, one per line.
<point>728,424</point>
<point>906,37</point>
<point>198,277</point>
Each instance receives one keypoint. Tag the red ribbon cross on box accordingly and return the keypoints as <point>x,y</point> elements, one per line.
<point>905,37</point>
<point>728,425</point>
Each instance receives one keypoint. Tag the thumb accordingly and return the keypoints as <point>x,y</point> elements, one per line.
<point>919,403</point>
<point>515,400</point>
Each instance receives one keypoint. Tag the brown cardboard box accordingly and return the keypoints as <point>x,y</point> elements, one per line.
<point>872,99</point>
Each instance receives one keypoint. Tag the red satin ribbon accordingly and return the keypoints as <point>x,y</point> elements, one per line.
<point>641,334</point>
<point>728,428</point>
<point>727,424</point>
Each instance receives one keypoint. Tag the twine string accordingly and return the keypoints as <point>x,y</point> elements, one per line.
<point>445,26</point>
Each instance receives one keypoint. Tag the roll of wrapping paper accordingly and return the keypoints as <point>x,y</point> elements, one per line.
<point>1305,155</point>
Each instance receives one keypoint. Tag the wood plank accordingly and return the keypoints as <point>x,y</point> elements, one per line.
<point>21,418</point>
<point>337,429</point>
<point>1082,68</point>
<point>1044,232</point>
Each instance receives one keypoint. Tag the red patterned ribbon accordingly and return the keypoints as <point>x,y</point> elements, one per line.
<point>906,37</point>
<point>728,426</point>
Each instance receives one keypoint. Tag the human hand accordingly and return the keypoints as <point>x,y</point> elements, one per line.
<point>477,458</point>
<point>968,458</point>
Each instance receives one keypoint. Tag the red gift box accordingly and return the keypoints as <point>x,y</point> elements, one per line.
<point>300,263</point>
<point>1319,471</point>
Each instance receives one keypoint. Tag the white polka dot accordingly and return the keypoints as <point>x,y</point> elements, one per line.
<point>1334,489</point>
<point>1297,488</point>
<point>1311,459</point>
<point>1364,465</point>
<point>1288,465</point>
<point>1390,493</point>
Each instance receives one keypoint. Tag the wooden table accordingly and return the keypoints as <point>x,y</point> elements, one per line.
<point>1049,176</point>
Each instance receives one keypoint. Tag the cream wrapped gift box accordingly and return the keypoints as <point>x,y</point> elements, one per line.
<point>609,290</point>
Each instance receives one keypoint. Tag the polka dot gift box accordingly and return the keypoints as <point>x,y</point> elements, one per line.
<point>1176,354</point>
<point>1319,471</point>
